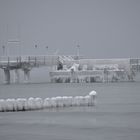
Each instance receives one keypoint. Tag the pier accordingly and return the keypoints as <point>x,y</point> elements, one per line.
<point>97,70</point>
<point>27,63</point>
<point>70,69</point>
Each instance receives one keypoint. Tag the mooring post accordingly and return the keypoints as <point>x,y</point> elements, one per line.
<point>26,75</point>
<point>16,76</point>
<point>8,61</point>
<point>7,76</point>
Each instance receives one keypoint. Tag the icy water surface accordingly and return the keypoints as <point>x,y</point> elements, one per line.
<point>115,117</point>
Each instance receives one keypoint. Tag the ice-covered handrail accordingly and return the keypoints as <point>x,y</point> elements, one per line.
<point>23,104</point>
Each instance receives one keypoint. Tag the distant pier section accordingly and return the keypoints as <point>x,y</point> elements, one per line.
<point>97,70</point>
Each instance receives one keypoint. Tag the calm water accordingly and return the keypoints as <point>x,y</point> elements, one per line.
<point>115,117</point>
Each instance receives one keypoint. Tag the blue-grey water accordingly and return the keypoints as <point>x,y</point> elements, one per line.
<point>115,117</point>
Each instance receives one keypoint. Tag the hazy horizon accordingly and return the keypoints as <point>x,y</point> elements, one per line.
<point>103,29</point>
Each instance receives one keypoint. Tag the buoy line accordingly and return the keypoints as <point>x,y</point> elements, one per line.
<point>23,104</point>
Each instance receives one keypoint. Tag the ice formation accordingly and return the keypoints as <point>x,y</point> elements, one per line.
<point>22,104</point>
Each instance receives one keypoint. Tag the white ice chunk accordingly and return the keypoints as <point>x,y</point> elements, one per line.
<point>47,103</point>
<point>70,100</point>
<point>38,103</point>
<point>77,101</point>
<point>87,100</point>
<point>9,105</point>
<point>2,105</point>
<point>31,103</point>
<point>65,101</point>
<point>20,104</point>
<point>53,102</point>
<point>59,101</point>
<point>81,100</point>
<point>92,95</point>
<point>14,104</point>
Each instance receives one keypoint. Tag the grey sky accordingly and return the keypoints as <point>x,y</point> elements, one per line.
<point>103,28</point>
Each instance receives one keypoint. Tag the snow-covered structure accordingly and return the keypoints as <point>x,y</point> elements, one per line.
<point>96,70</point>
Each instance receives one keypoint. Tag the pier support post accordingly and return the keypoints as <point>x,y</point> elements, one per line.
<point>26,75</point>
<point>7,76</point>
<point>16,76</point>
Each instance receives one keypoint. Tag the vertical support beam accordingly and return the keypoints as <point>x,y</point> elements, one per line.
<point>26,75</point>
<point>44,60</point>
<point>16,76</point>
<point>35,61</point>
<point>7,76</point>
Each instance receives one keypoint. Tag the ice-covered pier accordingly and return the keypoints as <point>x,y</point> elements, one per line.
<point>26,63</point>
<point>97,70</point>
<point>23,104</point>
<point>72,69</point>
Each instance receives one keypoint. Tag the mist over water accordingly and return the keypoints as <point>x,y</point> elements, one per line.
<point>102,29</point>
<point>116,115</point>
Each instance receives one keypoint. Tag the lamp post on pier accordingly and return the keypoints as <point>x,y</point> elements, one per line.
<point>78,51</point>
<point>36,49</point>
<point>46,49</point>
<point>3,50</point>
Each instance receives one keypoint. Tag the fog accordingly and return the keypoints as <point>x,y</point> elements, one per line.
<point>103,29</point>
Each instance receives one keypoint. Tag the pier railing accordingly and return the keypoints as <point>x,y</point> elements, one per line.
<point>78,73</point>
<point>33,60</point>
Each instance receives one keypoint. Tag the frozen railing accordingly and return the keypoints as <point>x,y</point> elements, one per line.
<point>78,73</point>
<point>38,60</point>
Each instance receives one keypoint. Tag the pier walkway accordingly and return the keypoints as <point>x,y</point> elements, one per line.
<point>26,63</point>
<point>128,67</point>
